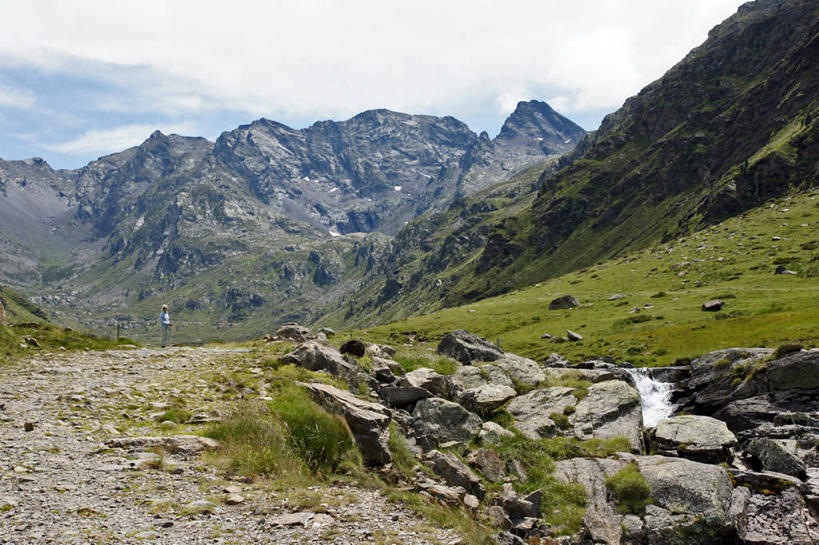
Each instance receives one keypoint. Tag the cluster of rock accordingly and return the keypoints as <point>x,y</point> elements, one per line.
<point>743,470</point>
<point>291,331</point>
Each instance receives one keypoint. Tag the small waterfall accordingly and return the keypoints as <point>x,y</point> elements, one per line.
<point>655,396</point>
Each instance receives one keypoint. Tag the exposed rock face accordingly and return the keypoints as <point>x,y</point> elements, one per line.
<point>610,409</point>
<point>770,520</point>
<point>437,420</point>
<point>368,422</point>
<point>699,438</point>
<point>467,348</point>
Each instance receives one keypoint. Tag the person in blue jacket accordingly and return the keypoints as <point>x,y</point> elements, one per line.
<point>165,322</point>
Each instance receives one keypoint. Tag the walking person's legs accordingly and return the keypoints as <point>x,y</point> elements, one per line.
<point>165,330</point>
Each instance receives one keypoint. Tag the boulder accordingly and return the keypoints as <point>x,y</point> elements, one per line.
<point>466,347</point>
<point>380,350</point>
<point>564,302</point>
<point>382,372</point>
<point>699,438</point>
<point>401,393</point>
<point>436,420</point>
<point>610,409</point>
<point>517,507</point>
<point>491,433</point>
<point>446,495</point>
<point>555,360</point>
<point>763,482</point>
<point>601,520</point>
<point>521,371</point>
<point>712,305</point>
<point>690,499</point>
<point>327,332</point>
<point>489,463</point>
<point>368,422</point>
<point>354,347</point>
<point>572,336</point>
<point>293,332</point>
<point>778,455</point>
<point>428,379</point>
<point>773,519</point>
<point>485,399</point>
<point>531,411</point>
<point>592,375</point>
<point>319,357</point>
<point>454,472</point>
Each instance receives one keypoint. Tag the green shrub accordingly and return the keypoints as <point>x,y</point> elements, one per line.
<point>560,420</point>
<point>320,438</point>
<point>254,442</point>
<point>402,457</point>
<point>630,489</point>
<point>179,415</point>
<point>785,349</point>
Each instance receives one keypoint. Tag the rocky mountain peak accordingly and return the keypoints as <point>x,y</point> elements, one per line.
<point>536,120</point>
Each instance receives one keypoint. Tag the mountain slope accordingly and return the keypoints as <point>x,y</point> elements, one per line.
<point>733,124</point>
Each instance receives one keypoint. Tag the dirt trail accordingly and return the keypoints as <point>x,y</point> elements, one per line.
<point>62,482</point>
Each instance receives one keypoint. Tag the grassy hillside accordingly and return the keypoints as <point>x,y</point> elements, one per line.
<point>732,125</point>
<point>733,261</point>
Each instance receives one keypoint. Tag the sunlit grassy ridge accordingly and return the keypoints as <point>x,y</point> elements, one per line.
<point>733,261</point>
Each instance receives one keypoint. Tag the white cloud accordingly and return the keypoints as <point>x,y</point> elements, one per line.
<point>16,97</point>
<point>319,59</point>
<point>111,140</point>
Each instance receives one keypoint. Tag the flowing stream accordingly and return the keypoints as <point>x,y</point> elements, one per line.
<point>655,396</point>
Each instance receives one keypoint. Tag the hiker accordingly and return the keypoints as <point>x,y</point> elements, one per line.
<point>165,322</point>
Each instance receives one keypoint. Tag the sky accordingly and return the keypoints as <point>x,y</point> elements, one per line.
<point>85,78</point>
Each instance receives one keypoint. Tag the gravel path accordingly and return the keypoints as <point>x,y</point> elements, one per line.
<point>61,481</point>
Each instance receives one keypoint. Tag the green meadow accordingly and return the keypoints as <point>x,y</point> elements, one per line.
<point>657,318</point>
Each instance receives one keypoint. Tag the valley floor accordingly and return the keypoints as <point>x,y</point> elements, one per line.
<point>76,477</point>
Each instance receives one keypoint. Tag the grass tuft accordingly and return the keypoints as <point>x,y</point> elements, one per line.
<point>631,490</point>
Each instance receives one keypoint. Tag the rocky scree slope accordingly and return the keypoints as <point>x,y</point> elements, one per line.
<point>741,466</point>
<point>733,124</point>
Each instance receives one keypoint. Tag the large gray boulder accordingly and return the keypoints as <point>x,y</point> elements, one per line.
<point>466,347</point>
<point>485,399</point>
<point>773,519</point>
<point>454,472</point>
<point>293,332</point>
<point>531,412</point>
<point>778,455</point>
<point>699,438</point>
<point>601,520</point>
<point>691,501</point>
<point>437,384</point>
<point>564,302</point>
<point>401,393</point>
<point>436,420</point>
<point>315,356</point>
<point>610,409</point>
<point>521,371</point>
<point>368,422</point>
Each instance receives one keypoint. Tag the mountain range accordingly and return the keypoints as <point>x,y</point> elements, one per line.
<point>250,218</point>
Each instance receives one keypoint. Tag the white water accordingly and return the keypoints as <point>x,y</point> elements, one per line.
<point>654,396</point>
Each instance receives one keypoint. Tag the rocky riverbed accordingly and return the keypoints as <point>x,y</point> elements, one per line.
<point>83,460</point>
